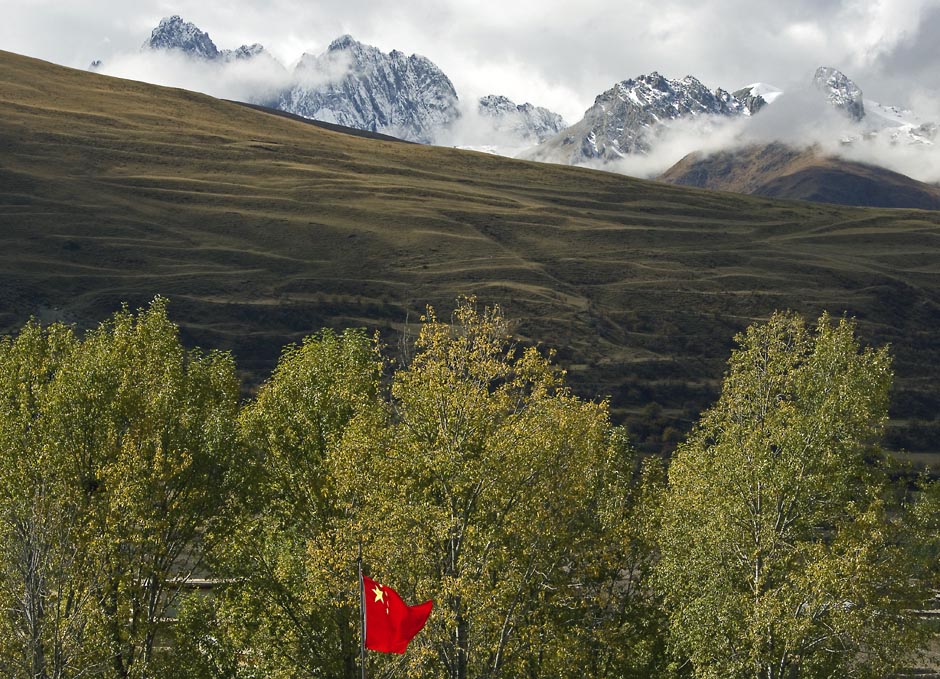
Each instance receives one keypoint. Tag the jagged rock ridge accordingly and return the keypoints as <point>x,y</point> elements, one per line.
<point>626,118</point>
<point>752,102</point>
<point>526,122</point>
<point>244,52</point>
<point>172,33</point>
<point>360,86</point>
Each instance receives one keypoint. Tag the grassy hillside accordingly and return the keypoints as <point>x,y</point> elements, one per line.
<point>262,229</point>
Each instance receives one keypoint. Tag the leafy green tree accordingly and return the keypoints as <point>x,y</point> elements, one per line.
<point>293,603</point>
<point>622,625</point>
<point>204,645</point>
<point>112,451</point>
<point>484,487</point>
<point>782,554</point>
<point>922,519</point>
<point>44,566</point>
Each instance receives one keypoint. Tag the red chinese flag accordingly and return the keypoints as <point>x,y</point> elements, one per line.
<point>390,622</point>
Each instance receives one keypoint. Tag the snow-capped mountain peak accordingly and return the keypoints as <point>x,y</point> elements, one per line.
<point>525,122</point>
<point>840,91</point>
<point>172,33</point>
<point>344,42</point>
<point>897,125</point>
<point>175,34</point>
<point>769,93</point>
<point>669,99</point>
<point>358,85</point>
<point>627,118</point>
<point>244,52</point>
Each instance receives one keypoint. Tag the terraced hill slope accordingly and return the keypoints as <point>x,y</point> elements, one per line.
<point>261,229</point>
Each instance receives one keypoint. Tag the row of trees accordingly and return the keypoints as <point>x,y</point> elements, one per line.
<point>778,546</point>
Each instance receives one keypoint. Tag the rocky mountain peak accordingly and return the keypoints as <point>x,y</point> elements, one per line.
<point>244,52</point>
<point>344,42</point>
<point>526,122</point>
<point>172,33</point>
<point>358,85</point>
<point>752,101</point>
<point>669,99</point>
<point>629,117</point>
<point>840,91</point>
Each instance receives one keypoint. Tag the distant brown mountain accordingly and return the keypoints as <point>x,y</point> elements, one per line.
<point>779,171</point>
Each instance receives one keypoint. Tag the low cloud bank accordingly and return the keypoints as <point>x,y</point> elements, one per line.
<point>506,135</point>
<point>259,80</point>
<point>675,140</point>
<point>802,119</point>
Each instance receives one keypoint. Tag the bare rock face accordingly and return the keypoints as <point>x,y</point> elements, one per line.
<point>752,102</point>
<point>360,86</point>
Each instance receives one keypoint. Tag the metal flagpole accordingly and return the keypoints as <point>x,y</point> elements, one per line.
<point>362,618</point>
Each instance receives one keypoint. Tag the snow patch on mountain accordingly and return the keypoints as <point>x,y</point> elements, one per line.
<point>897,125</point>
<point>769,93</point>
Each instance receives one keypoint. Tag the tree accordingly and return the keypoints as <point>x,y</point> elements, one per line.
<point>781,551</point>
<point>293,605</point>
<point>44,566</point>
<point>482,487</point>
<point>150,428</point>
<point>111,451</point>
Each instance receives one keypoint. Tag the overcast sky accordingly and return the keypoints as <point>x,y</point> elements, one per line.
<point>551,53</point>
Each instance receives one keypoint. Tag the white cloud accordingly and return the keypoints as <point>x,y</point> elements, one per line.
<point>919,162</point>
<point>256,80</point>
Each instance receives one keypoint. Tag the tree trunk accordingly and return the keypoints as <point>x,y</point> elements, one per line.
<point>34,597</point>
<point>348,646</point>
<point>461,643</point>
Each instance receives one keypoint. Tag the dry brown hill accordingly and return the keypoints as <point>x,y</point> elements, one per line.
<point>262,229</point>
<point>779,171</point>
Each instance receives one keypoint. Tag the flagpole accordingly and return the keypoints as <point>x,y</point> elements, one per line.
<point>362,617</point>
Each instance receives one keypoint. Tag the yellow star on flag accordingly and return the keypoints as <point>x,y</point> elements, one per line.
<point>379,594</point>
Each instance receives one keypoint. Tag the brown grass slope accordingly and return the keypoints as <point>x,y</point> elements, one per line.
<point>778,171</point>
<point>262,229</point>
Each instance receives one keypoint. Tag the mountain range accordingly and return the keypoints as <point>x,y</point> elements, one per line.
<point>625,119</point>
<point>357,85</point>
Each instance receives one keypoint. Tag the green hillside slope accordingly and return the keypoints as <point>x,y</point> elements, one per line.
<point>261,229</point>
